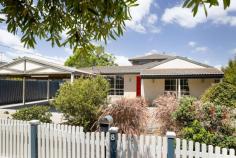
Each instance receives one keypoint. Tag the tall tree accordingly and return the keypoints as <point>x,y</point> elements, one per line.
<point>194,4</point>
<point>82,20</point>
<point>230,72</point>
<point>92,56</point>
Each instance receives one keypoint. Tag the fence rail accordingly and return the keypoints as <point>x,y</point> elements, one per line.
<point>62,141</point>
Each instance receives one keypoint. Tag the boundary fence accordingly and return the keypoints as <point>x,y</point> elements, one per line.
<point>11,91</point>
<point>20,139</point>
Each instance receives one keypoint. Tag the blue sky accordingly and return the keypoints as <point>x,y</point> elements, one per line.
<point>157,26</point>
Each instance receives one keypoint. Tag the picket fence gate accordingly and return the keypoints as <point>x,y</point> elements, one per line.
<point>63,141</point>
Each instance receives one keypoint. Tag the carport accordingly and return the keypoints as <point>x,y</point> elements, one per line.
<point>26,68</point>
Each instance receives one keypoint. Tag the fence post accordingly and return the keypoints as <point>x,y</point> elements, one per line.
<point>113,141</point>
<point>170,144</point>
<point>34,138</point>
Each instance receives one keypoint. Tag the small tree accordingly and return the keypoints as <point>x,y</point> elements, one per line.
<point>221,94</point>
<point>81,101</point>
<point>91,56</point>
<point>230,72</point>
<point>41,113</point>
<point>186,111</point>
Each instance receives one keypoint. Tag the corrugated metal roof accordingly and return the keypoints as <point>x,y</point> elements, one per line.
<point>179,72</point>
<point>17,69</point>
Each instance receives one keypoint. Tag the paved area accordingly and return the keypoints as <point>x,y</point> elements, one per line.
<point>20,105</point>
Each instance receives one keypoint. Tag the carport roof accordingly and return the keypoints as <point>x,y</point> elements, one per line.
<point>30,66</point>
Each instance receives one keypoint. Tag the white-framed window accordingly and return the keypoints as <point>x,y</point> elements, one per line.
<point>184,87</point>
<point>171,85</point>
<point>116,85</point>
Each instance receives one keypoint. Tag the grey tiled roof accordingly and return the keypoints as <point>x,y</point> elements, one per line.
<point>179,72</point>
<point>114,69</point>
<point>151,57</point>
<point>145,70</point>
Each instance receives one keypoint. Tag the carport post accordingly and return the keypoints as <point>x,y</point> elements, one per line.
<point>179,88</point>
<point>72,77</point>
<point>23,91</point>
<point>48,89</point>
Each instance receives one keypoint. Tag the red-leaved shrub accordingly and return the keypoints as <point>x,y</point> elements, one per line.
<point>130,115</point>
<point>165,106</point>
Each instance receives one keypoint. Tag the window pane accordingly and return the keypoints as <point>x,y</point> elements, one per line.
<point>111,92</point>
<point>184,87</point>
<point>119,85</point>
<point>170,85</point>
<point>111,81</point>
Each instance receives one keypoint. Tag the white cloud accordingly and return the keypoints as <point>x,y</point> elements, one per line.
<point>206,62</point>
<point>122,60</point>
<point>197,48</point>
<point>218,67</point>
<point>152,19</point>
<point>154,51</point>
<point>13,43</point>
<point>4,57</point>
<point>192,43</point>
<point>3,16</point>
<point>234,51</point>
<point>201,49</point>
<point>184,16</point>
<point>143,20</point>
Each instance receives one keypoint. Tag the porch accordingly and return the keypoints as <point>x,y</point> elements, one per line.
<point>189,81</point>
<point>152,88</point>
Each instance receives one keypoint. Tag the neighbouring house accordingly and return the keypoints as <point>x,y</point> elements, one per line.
<point>156,74</point>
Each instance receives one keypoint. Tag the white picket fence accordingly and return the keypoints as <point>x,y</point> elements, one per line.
<point>141,146</point>
<point>14,139</point>
<point>62,141</point>
<point>190,149</point>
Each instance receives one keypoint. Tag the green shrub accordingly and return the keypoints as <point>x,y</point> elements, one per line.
<point>185,112</point>
<point>81,101</point>
<point>208,123</point>
<point>41,113</point>
<point>221,94</point>
<point>197,133</point>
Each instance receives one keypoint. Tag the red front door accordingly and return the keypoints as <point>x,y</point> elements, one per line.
<point>138,86</point>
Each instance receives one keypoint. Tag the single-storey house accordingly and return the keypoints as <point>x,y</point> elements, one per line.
<point>153,75</point>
